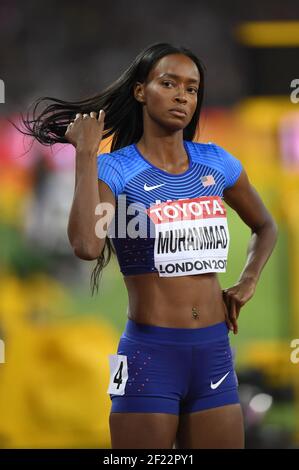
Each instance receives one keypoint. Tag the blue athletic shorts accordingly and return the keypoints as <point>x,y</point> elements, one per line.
<point>172,370</point>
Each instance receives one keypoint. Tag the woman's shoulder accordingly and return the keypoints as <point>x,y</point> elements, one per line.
<point>121,157</point>
<point>115,154</point>
<point>211,150</point>
<point>112,168</point>
<point>217,157</point>
<point>206,153</point>
<point>206,147</point>
<point>121,164</point>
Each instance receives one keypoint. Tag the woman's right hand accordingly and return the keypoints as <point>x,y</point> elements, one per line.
<point>86,131</point>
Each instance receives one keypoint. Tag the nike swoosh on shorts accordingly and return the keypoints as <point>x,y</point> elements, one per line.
<point>216,385</point>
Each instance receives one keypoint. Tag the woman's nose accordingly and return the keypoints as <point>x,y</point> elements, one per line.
<point>181,98</point>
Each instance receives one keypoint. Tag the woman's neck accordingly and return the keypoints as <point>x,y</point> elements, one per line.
<point>167,152</point>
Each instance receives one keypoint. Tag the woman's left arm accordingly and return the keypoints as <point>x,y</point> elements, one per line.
<point>244,199</point>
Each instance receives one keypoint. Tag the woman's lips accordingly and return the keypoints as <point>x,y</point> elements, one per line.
<point>177,113</point>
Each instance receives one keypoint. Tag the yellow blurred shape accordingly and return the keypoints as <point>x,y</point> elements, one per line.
<point>273,358</point>
<point>264,112</point>
<point>54,381</point>
<point>269,33</point>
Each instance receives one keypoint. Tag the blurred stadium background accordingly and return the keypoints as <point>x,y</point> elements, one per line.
<point>57,337</point>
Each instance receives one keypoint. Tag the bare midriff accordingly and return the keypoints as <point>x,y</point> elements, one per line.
<point>175,302</point>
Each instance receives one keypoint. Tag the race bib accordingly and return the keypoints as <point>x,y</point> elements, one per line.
<point>191,236</point>
<point>118,374</point>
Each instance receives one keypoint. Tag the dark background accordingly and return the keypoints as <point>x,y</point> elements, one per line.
<point>72,49</point>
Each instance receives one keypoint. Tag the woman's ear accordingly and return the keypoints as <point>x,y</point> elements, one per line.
<point>139,92</point>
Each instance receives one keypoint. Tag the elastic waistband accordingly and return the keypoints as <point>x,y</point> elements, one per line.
<point>163,334</point>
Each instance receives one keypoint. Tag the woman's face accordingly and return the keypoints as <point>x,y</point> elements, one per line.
<point>169,95</point>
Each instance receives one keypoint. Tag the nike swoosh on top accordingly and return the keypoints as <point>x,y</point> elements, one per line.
<point>149,188</point>
<point>216,385</point>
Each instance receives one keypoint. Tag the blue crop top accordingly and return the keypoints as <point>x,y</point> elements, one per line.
<point>170,224</point>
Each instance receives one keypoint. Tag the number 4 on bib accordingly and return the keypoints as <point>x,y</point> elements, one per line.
<point>118,374</point>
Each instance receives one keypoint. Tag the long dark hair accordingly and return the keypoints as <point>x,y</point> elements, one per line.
<point>123,116</point>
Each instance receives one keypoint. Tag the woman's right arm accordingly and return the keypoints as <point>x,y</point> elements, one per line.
<point>85,134</point>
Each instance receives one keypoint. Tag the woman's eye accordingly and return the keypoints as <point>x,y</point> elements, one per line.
<point>193,90</point>
<point>165,83</point>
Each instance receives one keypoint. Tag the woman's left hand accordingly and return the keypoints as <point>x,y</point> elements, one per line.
<point>234,298</point>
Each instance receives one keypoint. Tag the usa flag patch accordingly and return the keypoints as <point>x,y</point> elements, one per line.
<point>207,180</point>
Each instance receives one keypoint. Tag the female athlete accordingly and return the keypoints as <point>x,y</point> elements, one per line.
<point>160,197</point>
